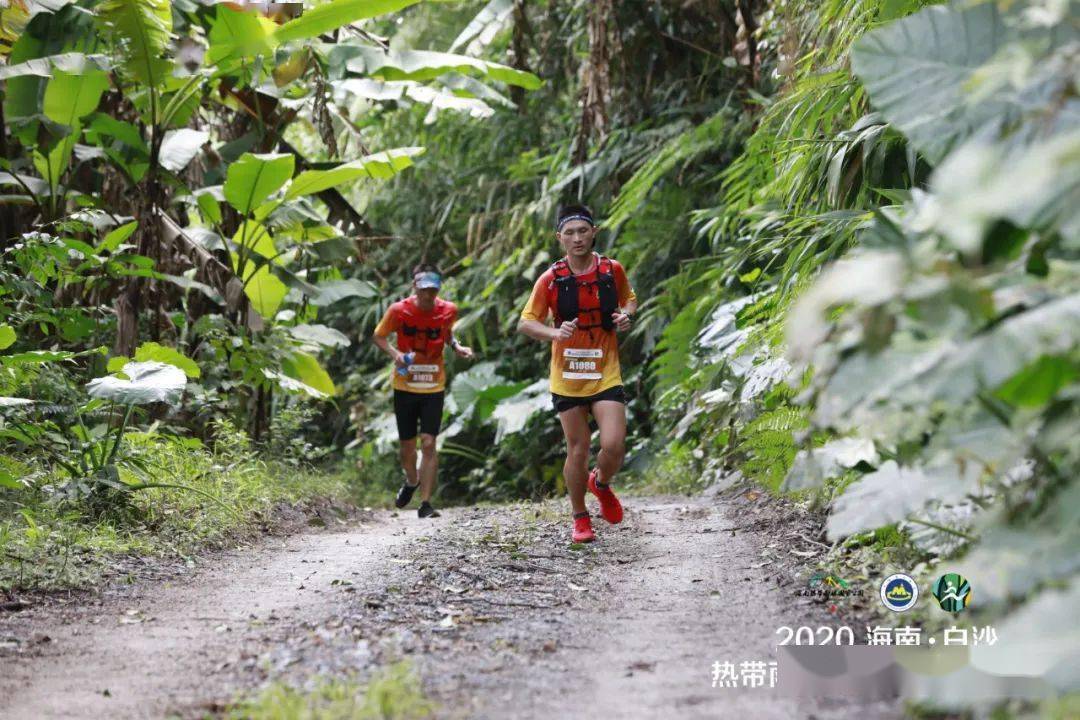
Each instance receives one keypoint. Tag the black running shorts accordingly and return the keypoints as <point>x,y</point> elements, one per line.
<point>563,403</point>
<point>411,408</point>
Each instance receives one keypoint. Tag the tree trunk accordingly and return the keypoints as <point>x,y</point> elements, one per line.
<point>519,52</point>
<point>596,80</point>
<point>746,12</point>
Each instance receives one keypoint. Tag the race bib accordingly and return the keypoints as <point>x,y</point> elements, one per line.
<point>583,364</point>
<point>422,376</point>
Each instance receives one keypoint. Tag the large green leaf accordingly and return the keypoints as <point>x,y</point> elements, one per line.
<point>256,244</point>
<point>480,388</point>
<point>331,291</point>
<point>381,166</point>
<point>73,62</point>
<point>320,335</point>
<point>35,185</point>
<point>1039,382</point>
<point>512,414</point>
<point>115,238</point>
<point>152,351</point>
<point>179,147</point>
<point>21,91</point>
<point>240,33</point>
<point>146,382</point>
<point>891,493</point>
<point>36,357</point>
<point>253,178</point>
<point>1012,559</point>
<point>930,74</point>
<point>7,336</point>
<point>69,97</point>
<point>306,369</point>
<point>334,14</point>
<point>483,28</point>
<point>53,162</point>
<point>427,65</point>
<point>143,28</point>
<point>461,93</point>
<point>265,291</point>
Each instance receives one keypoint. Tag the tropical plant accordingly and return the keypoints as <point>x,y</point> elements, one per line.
<point>956,352</point>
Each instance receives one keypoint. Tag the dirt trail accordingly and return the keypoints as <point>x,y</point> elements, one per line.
<point>498,614</point>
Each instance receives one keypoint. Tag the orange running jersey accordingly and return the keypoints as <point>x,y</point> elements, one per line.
<point>587,363</point>
<point>423,333</point>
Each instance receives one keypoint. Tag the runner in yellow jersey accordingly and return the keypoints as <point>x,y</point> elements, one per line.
<point>590,299</point>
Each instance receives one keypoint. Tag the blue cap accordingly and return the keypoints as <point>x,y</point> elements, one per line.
<point>428,280</point>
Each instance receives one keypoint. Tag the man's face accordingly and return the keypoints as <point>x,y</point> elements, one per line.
<point>576,237</point>
<point>426,296</point>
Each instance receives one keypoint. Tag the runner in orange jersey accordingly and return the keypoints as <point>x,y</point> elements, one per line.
<point>424,324</point>
<point>590,299</point>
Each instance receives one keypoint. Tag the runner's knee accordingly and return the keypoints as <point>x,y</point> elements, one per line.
<point>577,452</point>
<point>614,448</point>
<point>427,443</point>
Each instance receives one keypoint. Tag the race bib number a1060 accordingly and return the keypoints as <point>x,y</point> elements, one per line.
<point>583,364</point>
<point>422,376</point>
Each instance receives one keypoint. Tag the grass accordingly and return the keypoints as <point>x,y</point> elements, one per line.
<point>1065,707</point>
<point>393,693</point>
<point>49,541</point>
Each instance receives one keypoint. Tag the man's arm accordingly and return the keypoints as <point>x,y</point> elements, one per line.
<point>539,331</point>
<point>624,317</point>
<point>396,355</point>
<point>462,351</point>
<point>531,323</point>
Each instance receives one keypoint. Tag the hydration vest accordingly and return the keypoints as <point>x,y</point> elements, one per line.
<point>423,333</point>
<point>601,302</point>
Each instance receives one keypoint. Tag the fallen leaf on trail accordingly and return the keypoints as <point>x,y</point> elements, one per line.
<point>447,622</point>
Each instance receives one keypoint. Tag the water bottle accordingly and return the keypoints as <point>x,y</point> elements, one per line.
<point>404,369</point>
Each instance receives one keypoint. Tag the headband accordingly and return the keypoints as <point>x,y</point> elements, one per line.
<point>568,218</point>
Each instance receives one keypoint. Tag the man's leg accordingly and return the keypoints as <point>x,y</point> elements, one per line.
<point>407,451</point>
<point>406,414</point>
<point>575,425</point>
<point>611,417</point>
<point>429,466</point>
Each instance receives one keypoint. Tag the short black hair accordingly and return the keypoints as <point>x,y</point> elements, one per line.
<point>574,209</point>
<point>426,267</point>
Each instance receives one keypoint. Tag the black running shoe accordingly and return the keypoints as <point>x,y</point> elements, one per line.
<point>404,495</point>
<point>426,511</point>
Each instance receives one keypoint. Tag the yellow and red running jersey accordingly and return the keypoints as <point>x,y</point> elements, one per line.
<point>422,333</point>
<point>587,363</point>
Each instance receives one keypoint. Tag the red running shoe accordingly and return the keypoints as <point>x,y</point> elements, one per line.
<point>583,530</point>
<point>610,507</point>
